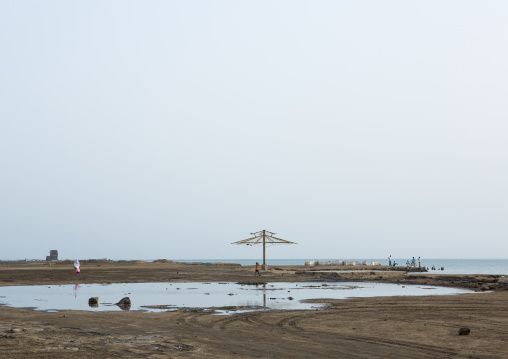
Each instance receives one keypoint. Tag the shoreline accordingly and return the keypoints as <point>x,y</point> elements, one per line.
<point>99,271</point>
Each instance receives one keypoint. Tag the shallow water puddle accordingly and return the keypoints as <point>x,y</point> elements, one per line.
<point>157,297</point>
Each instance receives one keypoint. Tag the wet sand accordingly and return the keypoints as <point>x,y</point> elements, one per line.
<point>385,327</point>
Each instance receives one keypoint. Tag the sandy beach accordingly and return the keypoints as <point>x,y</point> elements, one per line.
<point>382,327</point>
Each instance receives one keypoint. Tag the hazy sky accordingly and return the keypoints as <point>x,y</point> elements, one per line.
<point>169,129</point>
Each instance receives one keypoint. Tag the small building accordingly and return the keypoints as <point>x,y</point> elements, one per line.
<point>53,255</point>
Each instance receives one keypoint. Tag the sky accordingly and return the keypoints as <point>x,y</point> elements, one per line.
<point>170,129</point>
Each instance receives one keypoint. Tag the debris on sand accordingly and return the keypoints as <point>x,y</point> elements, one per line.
<point>464,331</point>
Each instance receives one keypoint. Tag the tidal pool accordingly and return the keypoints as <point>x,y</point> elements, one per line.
<point>158,297</point>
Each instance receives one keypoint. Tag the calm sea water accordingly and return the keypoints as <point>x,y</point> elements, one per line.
<point>451,266</point>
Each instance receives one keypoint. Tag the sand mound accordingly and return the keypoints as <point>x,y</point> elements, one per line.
<point>163,261</point>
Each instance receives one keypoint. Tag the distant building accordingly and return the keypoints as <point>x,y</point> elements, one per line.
<point>53,255</point>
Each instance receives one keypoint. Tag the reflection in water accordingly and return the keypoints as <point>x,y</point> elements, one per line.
<point>156,297</point>
<point>264,293</point>
<point>76,288</point>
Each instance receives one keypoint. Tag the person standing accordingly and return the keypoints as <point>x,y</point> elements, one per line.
<point>257,270</point>
<point>419,262</point>
<point>76,266</point>
<point>413,262</point>
<point>390,260</point>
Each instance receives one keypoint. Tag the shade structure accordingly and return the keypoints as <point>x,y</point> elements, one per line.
<point>263,237</point>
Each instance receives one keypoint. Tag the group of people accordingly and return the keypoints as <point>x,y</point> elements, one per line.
<point>411,263</point>
<point>390,261</point>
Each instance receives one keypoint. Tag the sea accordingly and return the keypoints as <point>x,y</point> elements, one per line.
<point>443,266</point>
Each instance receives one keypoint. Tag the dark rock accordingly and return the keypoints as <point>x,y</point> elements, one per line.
<point>464,331</point>
<point>124,303</point>
<point>93,302</point>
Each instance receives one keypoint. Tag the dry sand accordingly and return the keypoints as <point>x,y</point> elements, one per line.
<point>387,327</point>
